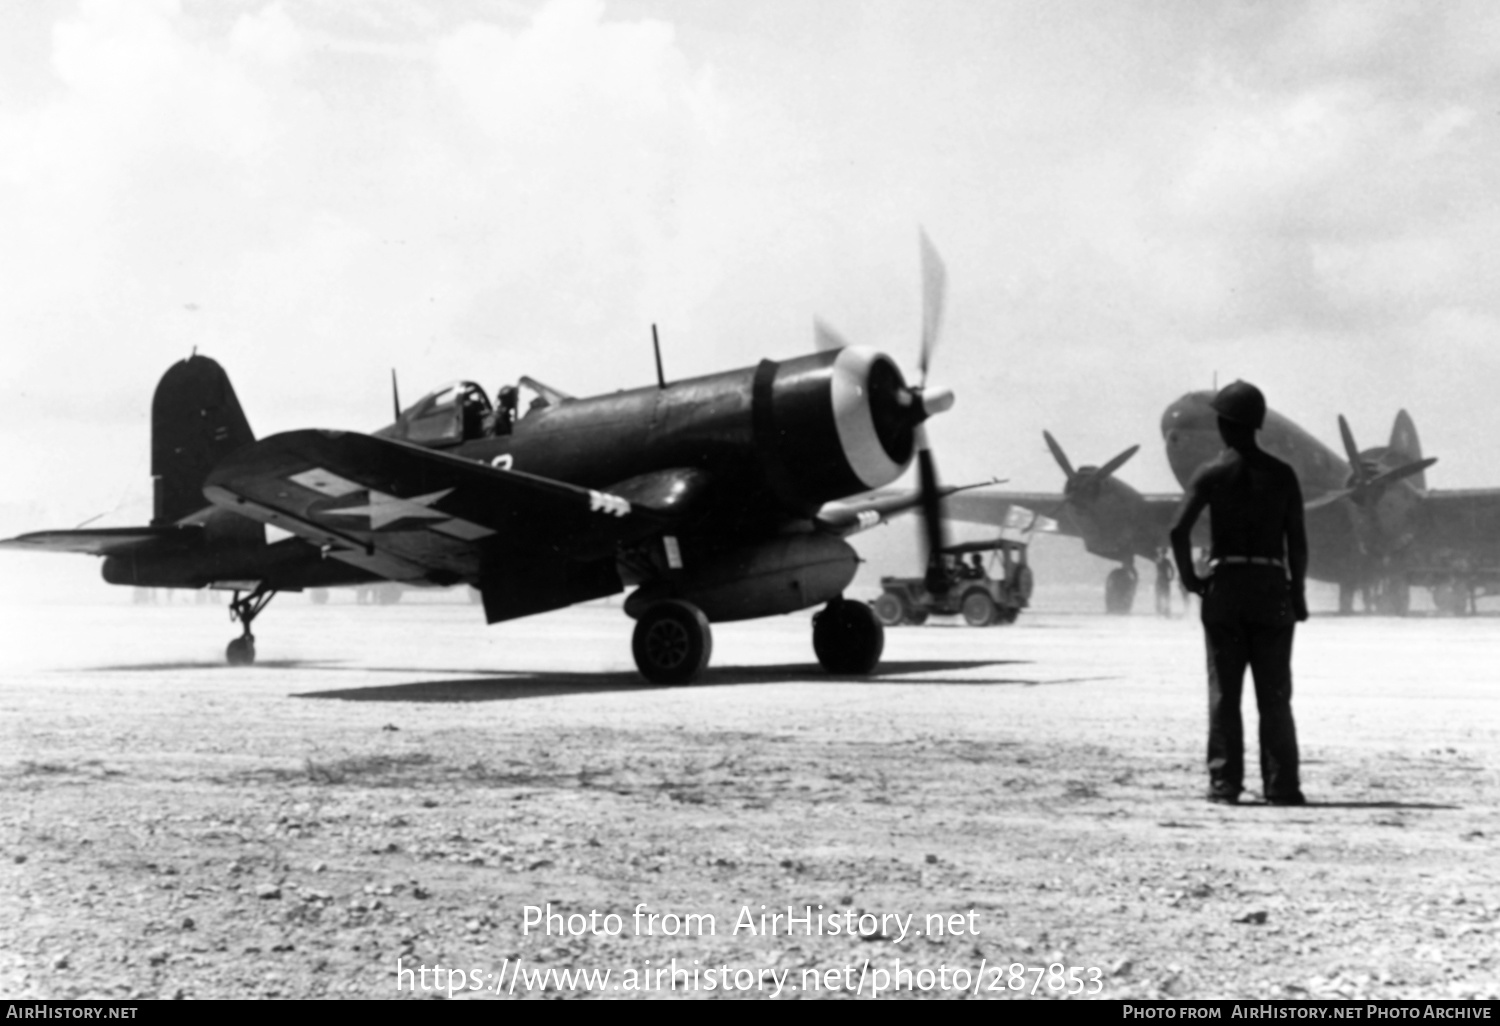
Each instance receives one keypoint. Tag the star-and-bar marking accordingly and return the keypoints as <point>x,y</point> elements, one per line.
<point>383,509</point>
<point>325,482</point>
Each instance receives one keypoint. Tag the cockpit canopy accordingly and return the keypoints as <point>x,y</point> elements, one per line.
<point>461,412</point>
<point>458,412</point>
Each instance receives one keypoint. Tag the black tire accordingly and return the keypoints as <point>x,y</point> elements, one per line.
<point>1025,583</point>
<point>978,608</point>
<point>890,609</point>
<point>848,638</point>
<point>240,652</point>
<point>672,643</point>
<point>1119,592</point>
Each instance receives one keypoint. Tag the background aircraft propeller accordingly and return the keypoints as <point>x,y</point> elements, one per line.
<point>1365,484</point>
<point>1083,484</point>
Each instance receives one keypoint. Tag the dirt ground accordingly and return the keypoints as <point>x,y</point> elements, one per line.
<point>401,783</point>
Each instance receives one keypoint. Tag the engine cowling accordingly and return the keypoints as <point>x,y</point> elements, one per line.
<point>833,424</point>
<point>783,575</point>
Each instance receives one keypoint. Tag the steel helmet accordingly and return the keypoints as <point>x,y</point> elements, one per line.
<point>1242,403</point>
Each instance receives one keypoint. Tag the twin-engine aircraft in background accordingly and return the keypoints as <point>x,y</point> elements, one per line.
<point>1374,528</point>
<point>715,497</point>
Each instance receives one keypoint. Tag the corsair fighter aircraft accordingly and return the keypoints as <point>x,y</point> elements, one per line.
<point>715,498</point>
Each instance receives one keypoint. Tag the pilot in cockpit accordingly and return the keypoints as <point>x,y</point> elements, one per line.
<point>475,408</point>
<point>506,400</point>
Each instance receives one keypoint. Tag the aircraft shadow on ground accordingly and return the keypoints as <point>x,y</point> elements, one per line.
<point>505,686</point>
<point>263,664</point>
<point>1415,806</point>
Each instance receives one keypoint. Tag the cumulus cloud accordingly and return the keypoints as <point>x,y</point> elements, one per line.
<point>314,192</point>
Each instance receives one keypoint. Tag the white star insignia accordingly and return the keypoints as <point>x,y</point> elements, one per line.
<point>386,509</point>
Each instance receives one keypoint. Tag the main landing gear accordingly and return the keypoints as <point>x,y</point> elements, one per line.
<point>848,637</point>
<point>241,651</point>
<point>1119,590</point>
<point>673,642</point>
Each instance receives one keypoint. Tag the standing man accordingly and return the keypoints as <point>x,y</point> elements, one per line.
<point>1164,575</point>
<point>1253,598</point>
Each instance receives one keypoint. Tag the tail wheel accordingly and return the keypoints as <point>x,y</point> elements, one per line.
<point>890,610</point>
<point>672,643</point>
<point>848,638</point>
<point>979,609</point>
<point>241,651</point>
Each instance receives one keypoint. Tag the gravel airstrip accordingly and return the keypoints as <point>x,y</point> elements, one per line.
<point>400,787</point>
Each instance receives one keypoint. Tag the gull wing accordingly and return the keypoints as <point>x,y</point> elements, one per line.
<point>413,514</point>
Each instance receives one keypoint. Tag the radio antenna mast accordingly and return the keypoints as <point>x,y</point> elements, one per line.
<point>661,379</point>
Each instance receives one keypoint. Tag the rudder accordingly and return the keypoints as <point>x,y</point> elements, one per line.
<point>1404,442</point>
<point>196,421</point>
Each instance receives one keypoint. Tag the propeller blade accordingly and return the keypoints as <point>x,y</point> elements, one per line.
<point>1116,463</point>
<point>1352,451</point>
<point>1397,473</point>
<point>932,515</point>
<point>1060,456</point>
<point>934,288</point>
<point>1326,500</point>
<point>937,400</point>
<point>825,338</point>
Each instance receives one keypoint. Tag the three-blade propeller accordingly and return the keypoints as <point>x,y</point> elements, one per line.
<point>1365,484</point>
<point>1082,485</point>
<point>920,402</point>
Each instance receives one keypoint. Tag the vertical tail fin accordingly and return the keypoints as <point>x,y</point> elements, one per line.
<point>196,421</point>
<point>1405,442</point>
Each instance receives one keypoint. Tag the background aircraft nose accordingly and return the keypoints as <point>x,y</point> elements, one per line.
<point>1189,415</point>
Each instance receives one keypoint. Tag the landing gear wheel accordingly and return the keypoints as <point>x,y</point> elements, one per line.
<point>1025,583</point>
<point>847,637</point>
<point>672,643</point>
<point>890,610</point>
<point>241,651</point>
<point>1119,591</point>
<point>979,609</point>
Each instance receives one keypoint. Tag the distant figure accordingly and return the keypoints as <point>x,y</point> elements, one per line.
<point>1164,575</point>
<point>506,401</point>
<point>1253,598</point>
<point>975,569</point>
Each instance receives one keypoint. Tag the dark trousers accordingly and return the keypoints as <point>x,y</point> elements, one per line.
<point>1247,623</point>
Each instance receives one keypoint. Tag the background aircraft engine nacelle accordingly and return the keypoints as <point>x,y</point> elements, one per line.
<point>783,575</point>
<point>833,424</point>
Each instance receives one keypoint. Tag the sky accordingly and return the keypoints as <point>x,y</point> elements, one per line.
<point>1133,200</point>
